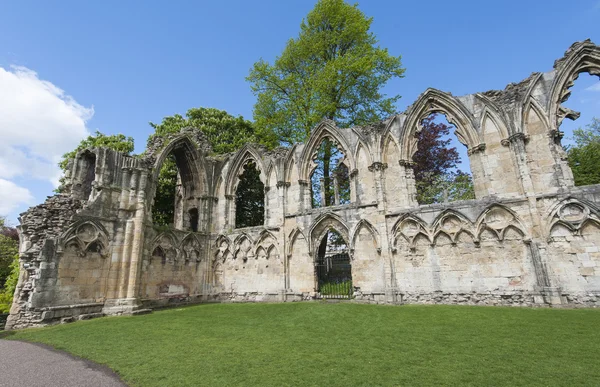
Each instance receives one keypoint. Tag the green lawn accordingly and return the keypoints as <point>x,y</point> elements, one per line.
<point>318,344</point>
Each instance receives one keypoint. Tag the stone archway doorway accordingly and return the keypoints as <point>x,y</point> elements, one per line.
<point>333,267</point>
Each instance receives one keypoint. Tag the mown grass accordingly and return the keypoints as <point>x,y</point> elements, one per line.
<point>336,288</point>
<point>343,344</point>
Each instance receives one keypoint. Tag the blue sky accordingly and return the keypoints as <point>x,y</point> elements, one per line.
<point>73,67</point>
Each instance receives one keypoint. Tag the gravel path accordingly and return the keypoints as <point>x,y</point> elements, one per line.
<point>33,365</point>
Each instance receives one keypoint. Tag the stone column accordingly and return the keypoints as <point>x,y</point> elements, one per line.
<point>336,191</point>
<point>282,187</point>
<point>138,239</point>
<point>378,168</point>
<point>230,212</point>
<point>411,184</point>
<point>353,175</point>
<point>481,182</point>
<point>517,142</point>
<point>305,198</point>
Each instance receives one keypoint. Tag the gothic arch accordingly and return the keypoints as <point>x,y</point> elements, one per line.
<point>190,247</point>
<point>389,140</point>
<point>85,234</point>
<point>190,169</point>
<point>169,235</point>
<point>502,122</point>
<point>222,239</point>
<point>264,235</point>
<point>271,168</point>
<point>409,227</point>
<point>323,224</point>
<point>581,57</point>
<point>289,163</point>
<point>239,239</point>
<point>436,101</point>
<point>398,119</point>
<point>490,112</point>
<point>362,146</point>
<point>497,218</point>
<point>292,239</point>
<point>245,155</point>
<point>272,251</point>
<point>533,105</point>
<point>452,223</point>
<point>363,223</point>
<point>325,128</point>
<point>573,214</point>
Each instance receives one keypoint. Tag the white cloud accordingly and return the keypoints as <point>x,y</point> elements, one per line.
<point>12,196</point>
<point>594,87</point>
<point>38,124</point>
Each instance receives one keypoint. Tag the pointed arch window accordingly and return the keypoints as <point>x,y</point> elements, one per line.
<point>250,198</point>
<point>330,179</point>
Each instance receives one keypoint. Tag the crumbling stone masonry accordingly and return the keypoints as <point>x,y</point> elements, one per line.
<point>530,237</point>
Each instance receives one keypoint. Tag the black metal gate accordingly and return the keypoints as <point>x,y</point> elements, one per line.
<point>334,276</point>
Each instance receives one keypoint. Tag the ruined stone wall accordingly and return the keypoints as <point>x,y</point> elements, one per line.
<point>529,238</point>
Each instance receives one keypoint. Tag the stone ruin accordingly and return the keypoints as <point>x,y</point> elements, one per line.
<point>530,238</point>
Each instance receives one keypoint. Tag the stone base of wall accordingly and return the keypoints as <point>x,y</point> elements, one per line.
<point>55,315</point>
<point>590,300</point>
<point>70,313</point>
<point>517,298</point>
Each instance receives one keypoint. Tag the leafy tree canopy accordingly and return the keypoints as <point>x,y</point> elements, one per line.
<point>250,198</point>
<point>9,247</point>
<point>334,69</point>
<point>116,142</point>
<point>225,132</point>
<point>584,157</point>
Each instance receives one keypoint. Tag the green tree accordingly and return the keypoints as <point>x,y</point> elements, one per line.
<point>225,133</point>
<point>9,247</point>
<point>584,157</point>
<point>118,142</point>
<point>250,198</point>
<point>334,69</point>
<point>445,187</point>
<point>8,291</point>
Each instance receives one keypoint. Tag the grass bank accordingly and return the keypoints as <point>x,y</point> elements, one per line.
<point>315,344</point>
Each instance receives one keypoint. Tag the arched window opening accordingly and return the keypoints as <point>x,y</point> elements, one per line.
<point>333,267</point>
<point>193,217</point>
<point>94,247</point>
<point>581,139</point>
<point>440,175</point>
<point>89,162</point>
<point>163,210</point>
<point>176,190</point>
<point>250,198</point>
<point>330,179</point>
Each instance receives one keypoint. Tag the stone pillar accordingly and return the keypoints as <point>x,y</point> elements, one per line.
<point>138,238</point>
<point>230,212</point>
<point>336,192</point>
<point>411,184</point>
<point>517,143</point>
<point>353,175</point>
<point>305,198</point>
<point>378,168</point>
<point>322,192</point>
<point>282,187</point>
<point>481,183</point>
